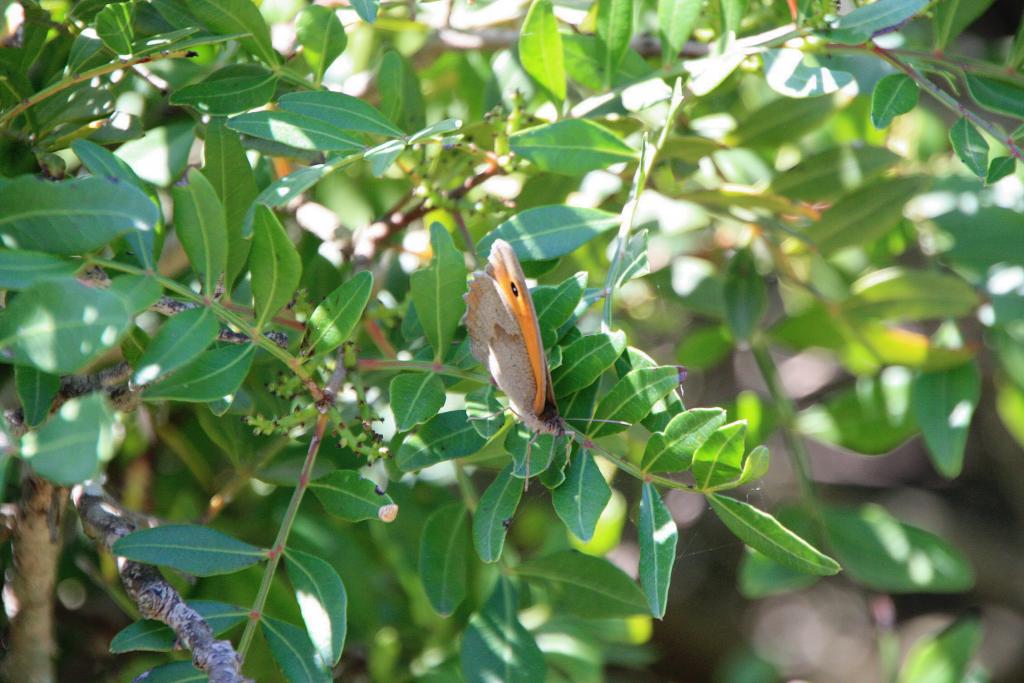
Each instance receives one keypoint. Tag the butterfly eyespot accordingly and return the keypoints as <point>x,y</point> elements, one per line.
<point>515,290</point>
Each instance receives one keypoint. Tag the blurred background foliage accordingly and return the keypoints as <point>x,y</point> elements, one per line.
<point>838,265</point>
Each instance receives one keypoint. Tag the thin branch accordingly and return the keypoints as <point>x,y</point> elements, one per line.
<point>324,404</point>
<point>104,520</point>
<point>367,241</point>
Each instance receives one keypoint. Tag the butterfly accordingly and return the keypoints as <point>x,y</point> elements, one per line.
<point>505,337</point>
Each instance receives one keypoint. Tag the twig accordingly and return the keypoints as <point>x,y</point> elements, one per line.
<point>325,402</point>
<point>367,241</point>
<point>105,521</point>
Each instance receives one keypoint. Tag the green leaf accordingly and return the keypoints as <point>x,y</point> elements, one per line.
<point>898,293</point>
<point>401,99</point>
<point>333,320</point>
<point>800,74</point>
<point>584,55</point>
<point>998,95</point>
<point>443,558</point>
<point>676,21</point>
<point>138,292</point>
<point>145,245</point>
<point>293,652</point>
<point>761,577</point>
<point>322,601</point>
<point>951,17</point>
<point>346,494</point>
<point>60,326</point>
<point>443,437</point>
<point>531,453</point>
<point>237,17</point>
<point>367,9</point>
<point>114,27</point>
<point>322,38</point>
<point>494,514</point>
<point>942,403</point>
<point>21,269</point>
<point>585,586</point>
<point>571,147</point>
<point>71,445</point>
<point>496,647</point>
<point>865,214</point>
<point>275,265</point>
<point>745,295</point>
<point>555,305</point>
<point>894,95</point>
<point>582,497</point>
<point>150,635</point>
<point>36,391</point>
<point>657,533</point>
<point>179,340</point>
<point>540,49</point>
<point>344,111</point>
<point>882,553</point>
<point>781,121</point>
<point>227,168</point>
<point>633,397</point>
<point>764,533</point>
<point>865,22</point>
<point>215,374</point>
<point>161,155</point>
<point>196,550</point>
<point>415,397</point>
<point>614,29</point>
<point>547,232</point>
<point>871,417</point>
<point>484,411</point>
<point>719,459</point>
<point>437,292</point>
<point>970,146</point>
<point>199,222</point>
<point>71,217</point>
<point>672,449</point>
<point>827,175</point>
<point>585,359</point>
<point>295,130</point>
<point>945,656</point>
<point>228,90</point>
<point>285,189</point>
<point>999,168</point>
<point>755,465</point>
